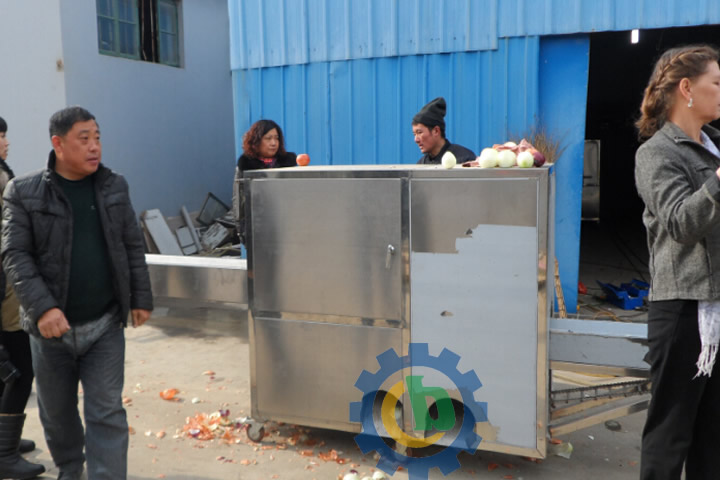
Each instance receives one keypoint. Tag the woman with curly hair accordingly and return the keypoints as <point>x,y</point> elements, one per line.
<point>263,147</point>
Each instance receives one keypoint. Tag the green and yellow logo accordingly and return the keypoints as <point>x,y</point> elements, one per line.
<point>418,394</point>
<point>443,420</point>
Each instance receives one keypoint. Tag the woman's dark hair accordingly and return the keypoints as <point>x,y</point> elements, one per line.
<point>3,129</point>
<point>253,137</point>
<point>672,66</point>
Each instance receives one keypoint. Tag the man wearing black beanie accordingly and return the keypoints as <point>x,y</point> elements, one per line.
<point>429,129</point>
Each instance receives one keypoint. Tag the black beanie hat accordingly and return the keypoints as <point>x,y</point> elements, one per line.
<point>432,114</point>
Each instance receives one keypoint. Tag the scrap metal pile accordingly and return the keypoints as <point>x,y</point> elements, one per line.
<point>209,232</point>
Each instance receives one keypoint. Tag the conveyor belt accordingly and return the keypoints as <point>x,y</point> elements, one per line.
<point>580,345</point>
<point>201,279</point>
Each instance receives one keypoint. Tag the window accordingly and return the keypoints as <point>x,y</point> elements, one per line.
<point>168,32</point>
<point>145,30</point>
<point>118,27</point>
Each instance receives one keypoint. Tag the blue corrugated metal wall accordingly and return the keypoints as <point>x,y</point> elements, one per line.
<point>359,112</point>
<point>344,77</point>
<point>553,17</point>
<point>288,32</point>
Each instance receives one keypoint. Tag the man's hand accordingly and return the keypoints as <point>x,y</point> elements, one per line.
<point>139,316</point>
<point>53,323</point>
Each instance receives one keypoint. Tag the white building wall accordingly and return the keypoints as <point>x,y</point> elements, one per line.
<point>168,130</point>
<point>32,80</point>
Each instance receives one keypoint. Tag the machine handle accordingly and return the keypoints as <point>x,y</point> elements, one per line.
<point>388,256</point>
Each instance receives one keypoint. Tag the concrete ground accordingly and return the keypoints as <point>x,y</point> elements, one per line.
<point>204,355</point>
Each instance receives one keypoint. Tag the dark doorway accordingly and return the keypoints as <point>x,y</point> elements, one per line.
<point>613,249</point>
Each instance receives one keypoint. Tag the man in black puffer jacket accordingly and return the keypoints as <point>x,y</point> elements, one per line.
<point>72,248</point>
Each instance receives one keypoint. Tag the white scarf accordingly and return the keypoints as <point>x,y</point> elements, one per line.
<point>708,312</point>
<point>709,324</point>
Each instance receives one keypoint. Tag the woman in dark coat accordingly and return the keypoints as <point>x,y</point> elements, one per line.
<point>15,348</point>
<point>263,147</point>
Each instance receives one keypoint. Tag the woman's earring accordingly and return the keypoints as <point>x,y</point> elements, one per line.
<point>690,103</point>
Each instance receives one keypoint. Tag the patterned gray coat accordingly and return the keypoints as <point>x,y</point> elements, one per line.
<point>675,177</point>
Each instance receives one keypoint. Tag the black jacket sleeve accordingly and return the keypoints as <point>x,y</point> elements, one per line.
<point>289,159</point>
<point>140,289</point>
<point>18,259</point>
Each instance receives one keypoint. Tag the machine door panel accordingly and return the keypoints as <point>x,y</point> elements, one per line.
<point>475,290</point>
<point>306,372</point>
<point>327,246</point>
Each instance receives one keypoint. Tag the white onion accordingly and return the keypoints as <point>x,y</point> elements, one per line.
<point>488,158</point>
<point>506,158</point>
<point>449,160</point>
<point>525,159</point>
